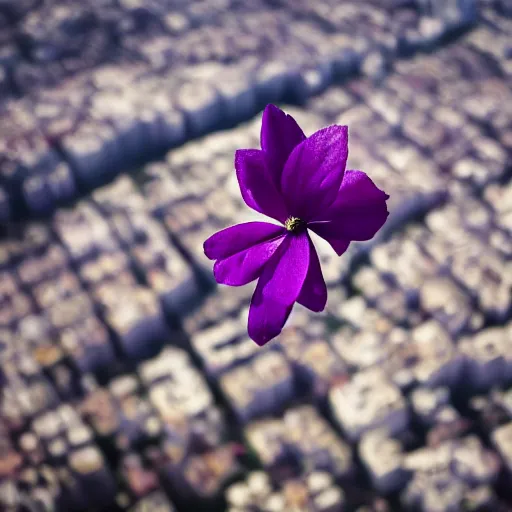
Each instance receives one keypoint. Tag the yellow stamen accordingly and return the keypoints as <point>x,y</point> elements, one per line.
<point>294,224</point>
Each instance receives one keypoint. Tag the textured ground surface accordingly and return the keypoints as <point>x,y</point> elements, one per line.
<point>128,380</point>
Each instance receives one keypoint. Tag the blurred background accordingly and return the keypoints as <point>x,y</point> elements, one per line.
<point>128,381</point>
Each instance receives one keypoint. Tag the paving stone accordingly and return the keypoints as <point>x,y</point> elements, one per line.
<point>369,400</point>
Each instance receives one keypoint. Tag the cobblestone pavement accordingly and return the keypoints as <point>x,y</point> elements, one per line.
<point>128,381</point>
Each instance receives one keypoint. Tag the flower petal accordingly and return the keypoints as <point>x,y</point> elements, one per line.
<point>359,211</point>
<point>290,271</point>
<point>266,316</point>
<point>257,186</point>
<point>278,289</point>
<point>245,266</point>
<point>314,171</point>
<point>234,239</point>
<point>280,133</point>
<point>314,290</point>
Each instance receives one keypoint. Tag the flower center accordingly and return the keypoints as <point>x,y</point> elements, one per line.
<point>294,225</point>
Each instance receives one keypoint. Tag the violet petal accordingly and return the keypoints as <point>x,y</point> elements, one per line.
<point>359,211</point>
<point>314,171</point>
<point>278,288</point>
<point>257,186</point>
<point>245,266</point>
<point>280,134</point>
<point>234,239</point>
<point>314,290</point>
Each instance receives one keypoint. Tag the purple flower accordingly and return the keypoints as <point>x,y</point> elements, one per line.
<point>302,183</point>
